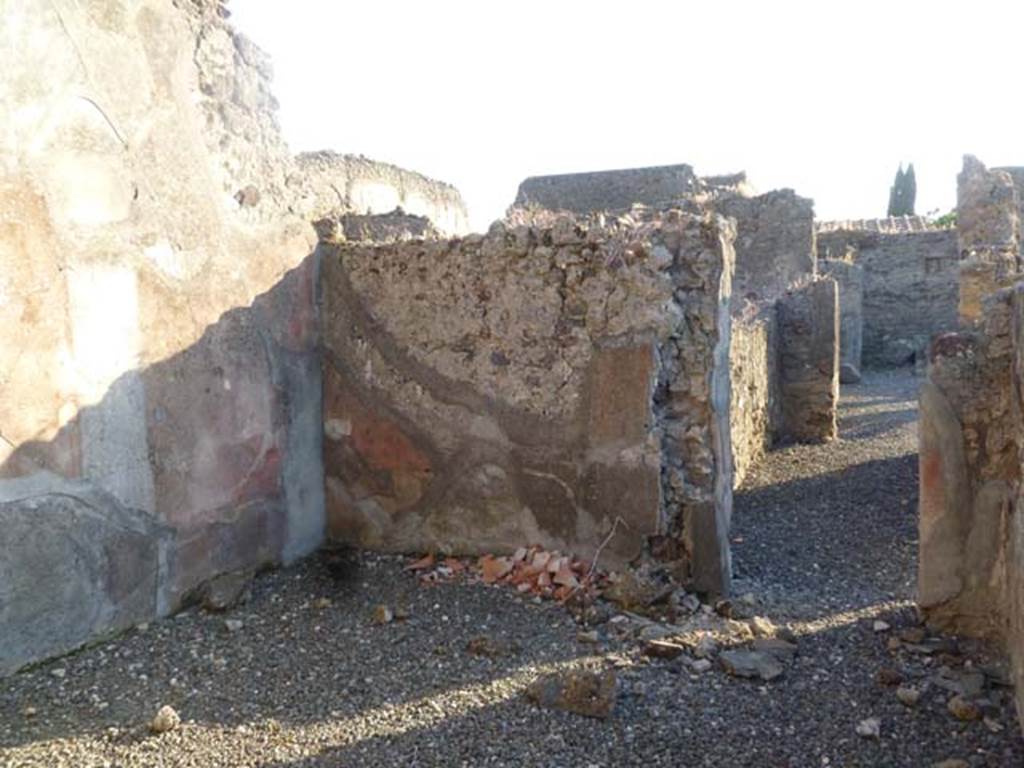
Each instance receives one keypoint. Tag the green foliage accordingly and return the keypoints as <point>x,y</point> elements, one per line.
<point>947,219</point>
<point>903,192</point>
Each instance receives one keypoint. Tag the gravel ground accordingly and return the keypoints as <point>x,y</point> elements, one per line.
<point>824,541</point>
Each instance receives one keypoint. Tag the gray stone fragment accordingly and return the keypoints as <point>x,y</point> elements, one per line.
<point>73,563</point>
<point>226,591</point>
<point>751,664</point>
<point>591,694</point>
<point>773,646</point>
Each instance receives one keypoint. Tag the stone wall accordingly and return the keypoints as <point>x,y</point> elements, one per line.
<point>910,286</point>
<point>160,417</point>
<point>534,385</point>
<point>755,414</point>
<point>608,190</point>
<point>774,241</point>
<point>850,279</point>
<point>328,183</point>
<point>890,225</point>
<point>774,231</point>
<point>989,208</point>
<point>971,558</point>
<point>809,361</point>
<point>1016,174</point>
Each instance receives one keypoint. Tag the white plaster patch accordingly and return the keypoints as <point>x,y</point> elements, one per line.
<point>104,314</point>
<point>89,189</point>
<point>103,310</point>
<point>336,429</point>
<point>374,197</point>
<point>163,257</point>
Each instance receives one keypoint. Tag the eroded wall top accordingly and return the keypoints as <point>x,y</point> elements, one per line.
<point>328,183</point>
<point>608,190</point>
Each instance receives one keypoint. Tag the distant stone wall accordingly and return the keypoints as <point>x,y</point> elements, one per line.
<point>755,413</point>
<point>910,287</point>
<point>890,226</point>
<point>774,241</point>
<point>534,385</point>
<point>850,279</point>
<point>328,183</point>
<point>608,190</point>
<point>809,361</point>
<point>774,231</point>
<point>971,557</point>
<point>160,416</point>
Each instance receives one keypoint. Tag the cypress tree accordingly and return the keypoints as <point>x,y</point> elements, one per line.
<point>910,191</point>
<point>903,192</point>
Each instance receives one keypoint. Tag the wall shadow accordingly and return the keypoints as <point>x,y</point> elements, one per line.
<point>204,462</point>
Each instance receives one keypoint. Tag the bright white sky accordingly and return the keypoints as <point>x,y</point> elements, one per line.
<point>824,97</point>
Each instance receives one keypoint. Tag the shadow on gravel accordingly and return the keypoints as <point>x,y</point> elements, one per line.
<point>849,537</point>
<point>864,426</point>
<point>666,716</point>
<point>290,661</point>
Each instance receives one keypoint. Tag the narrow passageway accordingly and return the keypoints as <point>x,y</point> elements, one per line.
<point>819,529</point>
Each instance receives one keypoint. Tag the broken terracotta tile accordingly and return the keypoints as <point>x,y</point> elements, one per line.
<point>427,561</point>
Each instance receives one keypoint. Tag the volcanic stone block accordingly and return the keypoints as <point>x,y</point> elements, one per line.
<point>75,564</point>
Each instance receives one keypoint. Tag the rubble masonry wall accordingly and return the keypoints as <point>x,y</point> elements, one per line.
<point>534,385</point>
<point>910,286</point>
<point>971,553</point>
<point>756,404</point>
<point>809,361</point>
<point>989,205</point>
<point>774,242</point>
<point>616,190</point>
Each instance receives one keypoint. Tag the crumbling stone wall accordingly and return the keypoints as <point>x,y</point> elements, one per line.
<point>329,184</point>
<point>850,279</point>
<point>534,385</point>
<point>910,284</point>
<point>755,411</point>
<point>971,558</point>
<point>160,417</point>
<point>809,361</point>
<point>774,231</point>
<point>774,249</point>
<point>989,230</point>
<point>1016,174</point>
<point>774,241</point>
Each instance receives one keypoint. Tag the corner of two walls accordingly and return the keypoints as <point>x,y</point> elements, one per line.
<point>160,417</point>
